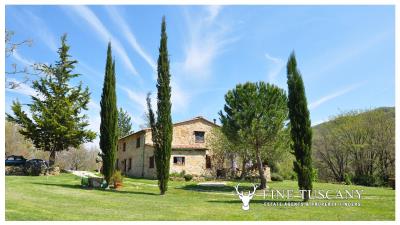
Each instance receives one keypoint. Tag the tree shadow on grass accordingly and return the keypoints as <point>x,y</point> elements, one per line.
<point>77,186</point>
<point>256,201</point>
<point>200,188</point>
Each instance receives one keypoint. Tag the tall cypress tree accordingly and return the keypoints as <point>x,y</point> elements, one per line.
<point>109,118</point>
<point>162,125</point>
<point>300,125</point>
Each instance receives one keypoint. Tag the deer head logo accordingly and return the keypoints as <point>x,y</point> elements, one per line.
<point>245,198</point>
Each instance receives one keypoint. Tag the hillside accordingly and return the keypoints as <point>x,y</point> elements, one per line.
<point>390,111</point>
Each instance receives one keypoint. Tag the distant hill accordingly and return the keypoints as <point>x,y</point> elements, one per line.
<point>389,110</point>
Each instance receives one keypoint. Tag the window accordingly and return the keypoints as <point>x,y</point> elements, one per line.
<point>130,164</point>
<point>179,160</point>
<point>199,136</point>
<point>117,147</point>
<point>116,164</point>
<point>138,142</point>
<point>124,162</point>
<point>124,147</point>
<point>151,161</point>
<point>208,162</point>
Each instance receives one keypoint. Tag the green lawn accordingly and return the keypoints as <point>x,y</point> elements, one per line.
<point>61,198</point>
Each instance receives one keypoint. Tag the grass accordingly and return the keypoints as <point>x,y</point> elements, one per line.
<point>62,198</point>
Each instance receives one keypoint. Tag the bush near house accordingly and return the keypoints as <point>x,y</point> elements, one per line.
<point>188,177</point>
<point>276,177</point>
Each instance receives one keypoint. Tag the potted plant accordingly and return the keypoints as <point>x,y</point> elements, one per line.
<point>117,179</point>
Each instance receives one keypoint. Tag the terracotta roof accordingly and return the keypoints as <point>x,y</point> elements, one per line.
<point>196,147</point>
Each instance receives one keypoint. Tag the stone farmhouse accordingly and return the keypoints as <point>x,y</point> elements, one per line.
<point>135,152</point>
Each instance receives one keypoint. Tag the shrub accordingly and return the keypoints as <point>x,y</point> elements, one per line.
<point>117,177</point>
<point>176,178</point>
<point>176,174</point>
<point>347,179</point>
<point>35,168</point>
<point>188,177</point>
<point>365,180</point>
<point>276,177</point>
<point>315,174</point>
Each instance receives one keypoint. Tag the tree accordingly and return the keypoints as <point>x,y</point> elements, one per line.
<point>382,125</point>
<point>222,149</point>
<point>161,126</point>
<point>81,158</point>
<point>109,118</point>
<point>11,48</point>
<point>357,144</point>
<point>57,122</point>
<point>257,112</point>
<point>124,123</point>
<point>300,124</point>
<point>329,150</point>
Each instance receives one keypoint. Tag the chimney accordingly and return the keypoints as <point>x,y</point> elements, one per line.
<point>215,121</point>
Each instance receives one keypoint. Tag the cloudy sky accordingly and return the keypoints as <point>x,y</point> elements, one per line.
<point>345,53</point>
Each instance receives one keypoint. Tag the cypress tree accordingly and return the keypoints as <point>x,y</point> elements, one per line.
<point>162,125</point>
<point>109,118</point>
<point>300,125</point>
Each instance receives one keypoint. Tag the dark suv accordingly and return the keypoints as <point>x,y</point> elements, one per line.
<point>15,160</point>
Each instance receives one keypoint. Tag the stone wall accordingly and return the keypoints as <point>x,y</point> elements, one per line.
<point>133,153</point>
<point>183,134</point>
<point>194,162</point>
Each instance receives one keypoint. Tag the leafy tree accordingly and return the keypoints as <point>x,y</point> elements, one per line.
<point>300,124</point>
<point>257,112</point>
<point>222,150</point>
<point>109,118</point>
<point>330,152</point>
<point>124,123</point>
<point>382,129</point>
<point>359,144</point>
<point>161,126</point>
<point>57,122</point>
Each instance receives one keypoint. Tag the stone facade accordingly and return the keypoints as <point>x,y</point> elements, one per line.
<point>135,152</point>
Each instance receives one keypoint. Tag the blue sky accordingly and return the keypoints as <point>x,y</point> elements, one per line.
<point>345,53</point>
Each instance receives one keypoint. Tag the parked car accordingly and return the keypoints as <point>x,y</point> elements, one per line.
<point>15,160</point>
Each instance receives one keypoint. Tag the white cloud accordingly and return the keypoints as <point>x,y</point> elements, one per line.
<point>276,65</point>
<point>213,11</point>
<point>93,105</point>
<point>115,15</point>
<point>94,125</point>
<point>22,59</point>
<point>39,27</point>
<point>22,89</point>
<point>179,97</point>
<point>85,13</point>
<point>139,99</point>
<point>334,95</point>
<point>207,39</point>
